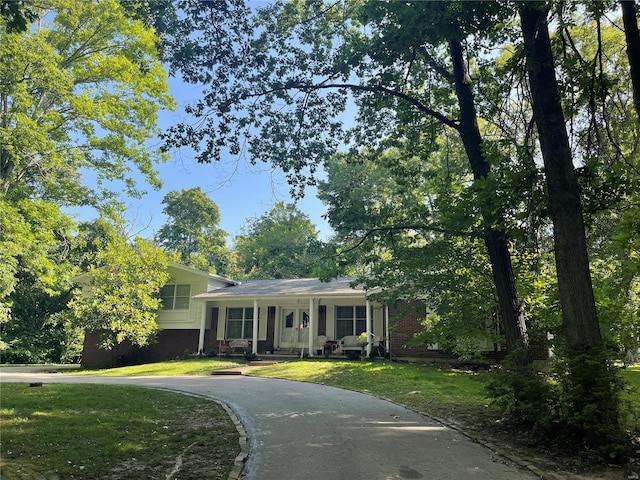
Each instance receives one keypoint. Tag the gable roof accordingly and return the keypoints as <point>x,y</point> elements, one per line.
<point>85,276</point>
<point>202,273</point>
<point>287,287</point>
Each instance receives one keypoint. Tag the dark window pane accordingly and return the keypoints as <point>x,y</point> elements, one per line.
<point>344,328</point>
<point>234,329</point>
<point>182,303</point>
<point>184,291</point>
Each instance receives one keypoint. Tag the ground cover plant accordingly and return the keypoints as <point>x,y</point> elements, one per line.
<point>112,432</point>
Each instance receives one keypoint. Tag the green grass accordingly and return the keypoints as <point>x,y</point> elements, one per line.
<point>123,428</point>
<point>425,388</point>
<point>421,387</point>
<point>448,393</point>
<point>632,376</point>
<point>199,366</point>
<point>111,432</point>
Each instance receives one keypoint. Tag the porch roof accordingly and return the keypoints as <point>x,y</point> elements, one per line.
<point>289,287</point>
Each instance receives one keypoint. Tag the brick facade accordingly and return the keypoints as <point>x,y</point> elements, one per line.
<point>168,345</point>
<point>404,323</point>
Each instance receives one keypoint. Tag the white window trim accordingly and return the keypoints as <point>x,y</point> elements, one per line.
<point>175,296</point>
<point>354,317</point>
<point>245,320</point>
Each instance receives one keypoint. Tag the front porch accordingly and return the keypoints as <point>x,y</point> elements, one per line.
<point>297,317</point>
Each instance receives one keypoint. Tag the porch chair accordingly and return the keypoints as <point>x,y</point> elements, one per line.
<point>318,344</point>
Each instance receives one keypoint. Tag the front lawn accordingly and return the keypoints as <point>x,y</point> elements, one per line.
<point>426,388</point>
<point>196,366</point>
<point>112,432</point>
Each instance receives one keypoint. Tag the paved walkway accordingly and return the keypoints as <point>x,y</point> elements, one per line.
<point>315,432</point>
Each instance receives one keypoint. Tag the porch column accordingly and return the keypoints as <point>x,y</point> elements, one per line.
<point>254,345</point>
<point>276,329</point>
<point>312,321</point>
<point>203,323</point>
<point>387,340</point>
<point>369,329</point>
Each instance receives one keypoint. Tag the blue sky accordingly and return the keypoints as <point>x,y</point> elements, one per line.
<point>240,190</point>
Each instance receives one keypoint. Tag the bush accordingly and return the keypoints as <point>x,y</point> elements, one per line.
<point>249,356</point>
<point>528,397</point>
<point>577,400</point>
<point>591,388</point>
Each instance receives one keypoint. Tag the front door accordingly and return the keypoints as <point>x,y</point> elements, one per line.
<point>294,329</point>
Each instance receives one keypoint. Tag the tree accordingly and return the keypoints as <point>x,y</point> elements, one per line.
<point>580,317</point>
<point>592,391</point>
<point>313,59</point>
<point>35,241</point>
<point>17,14</point>
<point>123,297</point>
<point>632,38</point>
<point>78,92</point>
<point>193,230</point>
<point>80,88</point>
<point>431,252</point>
<point>282,243</point>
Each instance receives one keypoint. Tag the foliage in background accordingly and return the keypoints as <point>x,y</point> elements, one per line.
<point>193,230</point>
<point>80,91</point>
<point>35,241</point>
<point>282,243</point>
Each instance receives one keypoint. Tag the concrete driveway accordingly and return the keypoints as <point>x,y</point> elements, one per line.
<point>314,432</point>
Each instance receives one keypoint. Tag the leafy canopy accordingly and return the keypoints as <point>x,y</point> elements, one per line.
<point>80,91</point>
<point>193,230</point>
<point>282,243</point>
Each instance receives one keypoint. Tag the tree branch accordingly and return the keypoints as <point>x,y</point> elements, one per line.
<point>393,228</point>
<point>376,89</point>
<point>446,74</point>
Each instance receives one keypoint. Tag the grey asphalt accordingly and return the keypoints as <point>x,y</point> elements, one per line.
<point>307,431</point>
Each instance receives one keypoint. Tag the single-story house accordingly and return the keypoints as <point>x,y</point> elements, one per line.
<point>203,312</point>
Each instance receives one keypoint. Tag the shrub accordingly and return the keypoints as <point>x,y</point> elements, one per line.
<point>528,397</point>
<point>591,388</point>
<point>577,400</point>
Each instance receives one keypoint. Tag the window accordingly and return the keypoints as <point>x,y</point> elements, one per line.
<point>288,321</point>
<point>240,323</point>
<point>351,320</point>
<point>175,297</point>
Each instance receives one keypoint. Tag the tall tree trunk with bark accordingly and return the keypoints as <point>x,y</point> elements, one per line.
<point>513,319</point>
<point>632,37</point>
<point>589,382</point>
<point>579,315</point>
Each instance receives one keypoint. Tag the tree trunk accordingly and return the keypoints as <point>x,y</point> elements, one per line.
<point>632,36</point>
<point>513,319</point>
<point>579,315</point>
